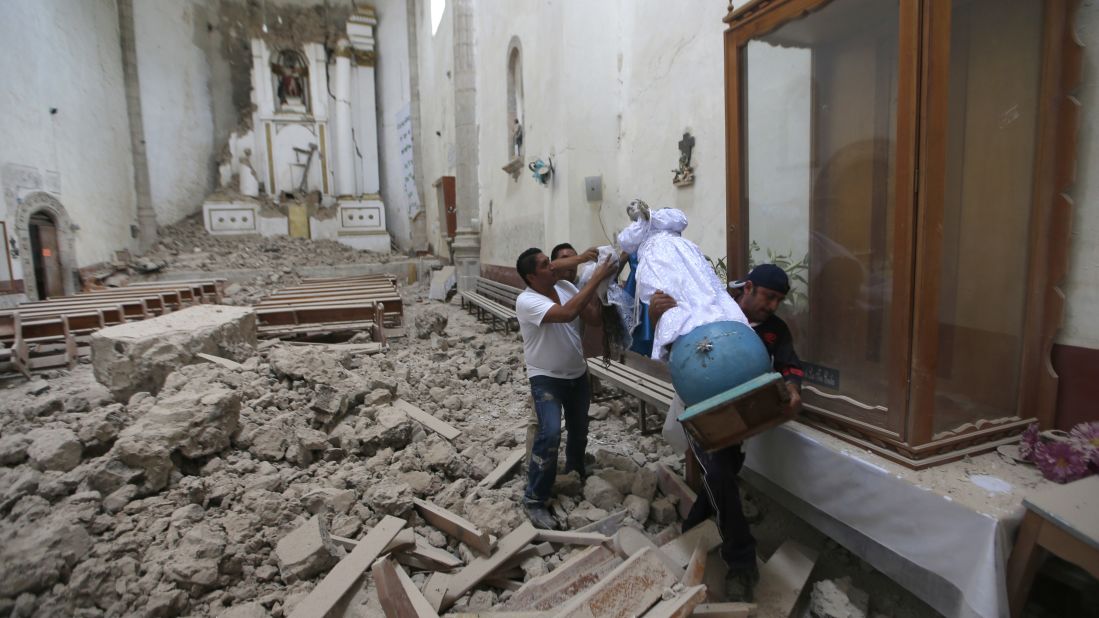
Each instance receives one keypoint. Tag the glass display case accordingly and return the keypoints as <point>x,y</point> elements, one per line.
<point>905,162</point>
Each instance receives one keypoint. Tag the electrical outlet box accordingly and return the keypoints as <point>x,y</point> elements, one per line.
<point>593,188</point>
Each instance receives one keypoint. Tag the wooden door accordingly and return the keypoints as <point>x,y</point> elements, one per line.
<point>47,258</point>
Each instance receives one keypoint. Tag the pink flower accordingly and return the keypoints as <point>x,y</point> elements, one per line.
<point>1086,437</point>
<point>1061,461</point>
<point>1028,442</point>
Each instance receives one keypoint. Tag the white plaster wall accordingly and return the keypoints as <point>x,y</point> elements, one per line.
<point>1081,286</point>
<point>435,54</point>
<point>66,55</point>
<point>175,69</point>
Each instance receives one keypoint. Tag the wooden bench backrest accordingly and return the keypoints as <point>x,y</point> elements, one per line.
<point>503,294</point>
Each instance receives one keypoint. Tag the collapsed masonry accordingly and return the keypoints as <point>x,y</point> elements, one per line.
<point>243,486</point>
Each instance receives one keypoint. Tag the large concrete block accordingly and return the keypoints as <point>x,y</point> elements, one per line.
<point>138,356</point>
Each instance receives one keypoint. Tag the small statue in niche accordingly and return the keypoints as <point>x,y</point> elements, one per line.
<point>225,167</point>
<point>517,140</point>
<point>685,174</point>
<point>290,73</point>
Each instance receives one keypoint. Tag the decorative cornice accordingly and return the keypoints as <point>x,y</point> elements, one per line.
<point>364,58</point>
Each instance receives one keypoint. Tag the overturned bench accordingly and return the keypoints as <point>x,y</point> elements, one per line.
<point>648,389</point>
<point>492,299</point>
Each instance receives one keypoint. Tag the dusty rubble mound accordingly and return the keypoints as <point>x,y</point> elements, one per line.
<point>240,491</point>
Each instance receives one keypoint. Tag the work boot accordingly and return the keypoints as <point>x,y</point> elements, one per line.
<point>540,516</point>
<point>740,584</point>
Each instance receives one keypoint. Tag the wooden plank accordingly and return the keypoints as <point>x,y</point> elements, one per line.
<point>435,589</point>
<point>493,614</point>
<point>630,541</point>
<point>434,555</point>
<point>609,525</point>
<point>681,548</point>
<point>571,537</point>
<point>438,426</point>
<point>576,574</point>
<point>217,360</point>
<point>630,589</point>
<point>724,610</point>
<point>673,486</point>
<point>783,576</point>
<point>503,469</point>
<point>481,568</point>
<point>343,576</point>
<point>455,525</point>
<point>398,595</point>
<point>696,568</point>
<point>679,606</point>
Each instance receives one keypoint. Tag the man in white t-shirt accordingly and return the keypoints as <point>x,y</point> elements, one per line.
<point>549,313</point>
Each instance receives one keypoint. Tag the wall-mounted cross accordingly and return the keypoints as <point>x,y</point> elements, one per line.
<point>686,145</point>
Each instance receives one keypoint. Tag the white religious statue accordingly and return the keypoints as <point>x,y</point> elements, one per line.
<point>249,184</point>
<point>225,168</point>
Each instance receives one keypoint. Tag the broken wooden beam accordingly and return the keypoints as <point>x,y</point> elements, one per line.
<point>630,589</point>
<point>571,537</point>
<point>398,595</point>
<point>439,426</point>
<point>575,575</point>
<point>405,538</point>
<point>435,589</point>
<point>438,559</point>
<point>673,486</point>
<point>696,567</point>
<point>503,469</point>
<point>348,570</point>
<point>679,606</point>
<point>724,610</point>
<point>608,525</point>
<point>783,576</point>
<point>480,568</point>
<point>455,525</point>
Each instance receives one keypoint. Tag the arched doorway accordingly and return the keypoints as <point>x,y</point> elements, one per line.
<point>47,254</point>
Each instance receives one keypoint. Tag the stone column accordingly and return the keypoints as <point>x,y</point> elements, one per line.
<point>360,29</point>
<point>345,151</point>
<point>146,216</point>
<point>466,249</point>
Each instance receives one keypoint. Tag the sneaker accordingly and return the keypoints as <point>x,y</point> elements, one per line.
<point>740,584</point>
<point>540,516</point>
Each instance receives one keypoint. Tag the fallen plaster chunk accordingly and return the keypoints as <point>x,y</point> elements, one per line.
<point>307,551</point>
<point>138,356</point>
<point>782,578</point>
<point>630,589</point>
<point>681,548</point>
<point>630,541</point>
<point>438,426</point>
<point>348,571</point>
<point>455,525</point>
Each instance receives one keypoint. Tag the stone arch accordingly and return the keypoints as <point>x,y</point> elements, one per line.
<point>40,202</point>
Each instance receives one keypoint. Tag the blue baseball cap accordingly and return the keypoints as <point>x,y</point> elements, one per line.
<point>766,275</point>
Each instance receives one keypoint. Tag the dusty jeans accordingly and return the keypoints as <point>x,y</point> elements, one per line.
<point>552,397</point>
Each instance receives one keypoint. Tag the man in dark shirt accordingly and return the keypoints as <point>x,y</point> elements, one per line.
<point>759,295</point>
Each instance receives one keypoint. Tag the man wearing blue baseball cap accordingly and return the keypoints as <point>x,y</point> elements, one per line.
<point>759,294</point>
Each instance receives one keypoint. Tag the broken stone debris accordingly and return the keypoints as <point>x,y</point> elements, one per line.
<point>177,498</point>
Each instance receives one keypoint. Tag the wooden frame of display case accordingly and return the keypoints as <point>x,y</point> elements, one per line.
<point>920,183</point>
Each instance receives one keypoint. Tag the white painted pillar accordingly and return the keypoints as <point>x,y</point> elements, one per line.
<point>360,30</point>
<point>345,147</point>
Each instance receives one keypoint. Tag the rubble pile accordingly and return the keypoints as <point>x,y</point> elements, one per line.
<point>187,245</point>
<point>182,501</point>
